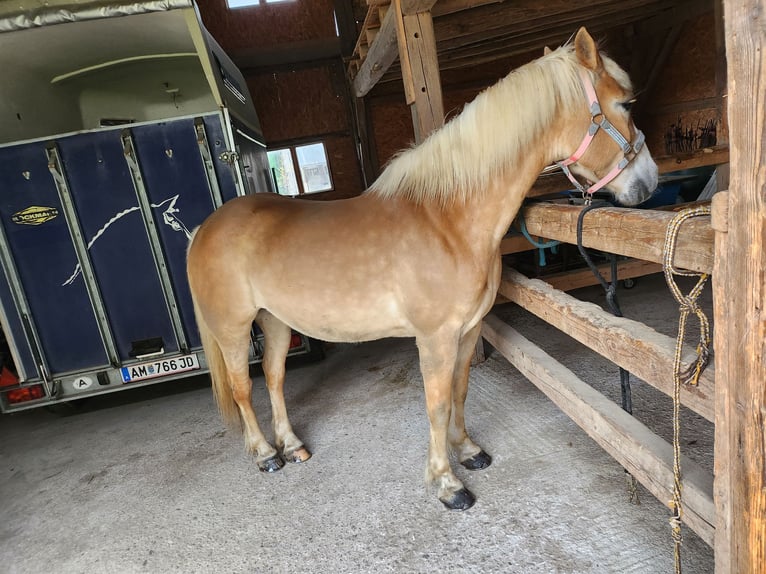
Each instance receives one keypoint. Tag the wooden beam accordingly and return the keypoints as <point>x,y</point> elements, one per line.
<point>383,50</point>
<point>626,269</point>
<point>638,233</point>
<point>740,291</point>
<point>630,344</point>
<point>444,7</point>
<point>555,182</point>
<point>380,56</point>
<point>645,455</point>
<point>420,71</point>
<point>410,7</point>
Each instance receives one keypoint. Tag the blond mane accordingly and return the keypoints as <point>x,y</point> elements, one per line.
<point>465,155</point>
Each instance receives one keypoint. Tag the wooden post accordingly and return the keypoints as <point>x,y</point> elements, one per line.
<point>420,70</point>
<point>740,303</point>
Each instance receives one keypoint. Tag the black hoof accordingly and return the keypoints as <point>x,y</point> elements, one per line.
<point>272,464</point>
<point>479,461</point>
<point>461,500</point>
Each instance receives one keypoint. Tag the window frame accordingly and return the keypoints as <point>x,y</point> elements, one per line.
<point>297,171</point>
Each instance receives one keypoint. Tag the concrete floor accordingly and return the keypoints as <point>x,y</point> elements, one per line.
<point>148,480</point>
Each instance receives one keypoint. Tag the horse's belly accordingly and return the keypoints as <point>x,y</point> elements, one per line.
<point>344,322</point>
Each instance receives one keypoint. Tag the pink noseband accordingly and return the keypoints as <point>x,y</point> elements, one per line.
<point>598,121</point>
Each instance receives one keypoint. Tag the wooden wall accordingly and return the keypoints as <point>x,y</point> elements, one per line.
<point>268,25</point>
<point>303,96</point>
<point>308,100</point>
<point>683,93</point>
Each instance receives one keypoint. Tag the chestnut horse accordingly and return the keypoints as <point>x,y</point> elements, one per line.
<point>416,255</point>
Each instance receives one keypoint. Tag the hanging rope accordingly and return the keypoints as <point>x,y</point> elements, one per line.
<point>611,299</point>
<point>690,375</point>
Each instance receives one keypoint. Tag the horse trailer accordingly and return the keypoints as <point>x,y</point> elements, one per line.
<point>122,127</point>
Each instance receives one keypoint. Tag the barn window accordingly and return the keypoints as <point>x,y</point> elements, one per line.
<point>300,169</point>
<point>248,3</point>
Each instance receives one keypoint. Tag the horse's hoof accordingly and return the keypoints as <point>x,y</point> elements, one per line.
<point>272,464</point>
<point>479,461</point>
<point>301,454</point>
<point>463,499</point>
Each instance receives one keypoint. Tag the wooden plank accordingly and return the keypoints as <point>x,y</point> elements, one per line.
<point>445,7</point>
<point>569,280</point>
<point>723,448</point>
<point>555,182</point>
<point>646,456</point>
<point>713,102</point>
<point>514,244</point>
<point>426,91</point>
<point>740,333</point>
<point>626,269</point>
<point>380,56</point>
<point>689,160</point>
<point>627,343</point>
<point>638,233</point>
<point>404,57</point>
<point>410,7</point>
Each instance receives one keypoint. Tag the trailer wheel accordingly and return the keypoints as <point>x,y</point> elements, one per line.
<point>628,283</point>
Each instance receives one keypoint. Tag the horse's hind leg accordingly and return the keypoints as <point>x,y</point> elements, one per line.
<point>241,386</point>
<point>277,344</point>
<point>470,455</point>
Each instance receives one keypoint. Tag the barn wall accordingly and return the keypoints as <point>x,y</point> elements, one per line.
<point>304,100</point>
<point>686,86</point>
<point>268,25</point>
<point>686,82</point>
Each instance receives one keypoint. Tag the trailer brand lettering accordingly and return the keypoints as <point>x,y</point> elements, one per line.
<point>159,368</point>
<point>34,215</point>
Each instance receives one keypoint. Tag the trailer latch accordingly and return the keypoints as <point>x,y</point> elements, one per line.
<point>229,157</point>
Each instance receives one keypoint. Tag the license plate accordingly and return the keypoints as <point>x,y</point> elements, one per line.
<point>159,368</point>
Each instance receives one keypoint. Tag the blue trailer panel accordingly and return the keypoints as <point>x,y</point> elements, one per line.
<point>44,257</point>
<point>125,147</point>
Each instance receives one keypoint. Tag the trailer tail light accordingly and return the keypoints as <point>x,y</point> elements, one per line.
<point>296,341</point>
<point>21,394</point>
<point>25,394</point>
<point>7,378</point>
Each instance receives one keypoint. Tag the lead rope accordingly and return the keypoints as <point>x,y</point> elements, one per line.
<point>611,299</point>
<point>688,304</point>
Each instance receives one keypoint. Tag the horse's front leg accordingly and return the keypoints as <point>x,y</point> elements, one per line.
<point>438,354</point>
<point>470,455</point>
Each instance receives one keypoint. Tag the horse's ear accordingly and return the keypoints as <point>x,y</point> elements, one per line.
<point>546,51</point>
<point>587,51</point>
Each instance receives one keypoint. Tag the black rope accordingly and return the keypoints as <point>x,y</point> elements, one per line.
<point>611,296</point>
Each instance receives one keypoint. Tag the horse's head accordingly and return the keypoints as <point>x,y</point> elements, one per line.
<point>612,154</point>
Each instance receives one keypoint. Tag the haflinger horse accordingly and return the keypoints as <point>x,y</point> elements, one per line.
<point>416,255</point>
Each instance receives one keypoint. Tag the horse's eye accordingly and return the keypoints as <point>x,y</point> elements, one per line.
<point>627,105</point>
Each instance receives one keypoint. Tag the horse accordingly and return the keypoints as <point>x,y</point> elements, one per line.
<point>416,254</point>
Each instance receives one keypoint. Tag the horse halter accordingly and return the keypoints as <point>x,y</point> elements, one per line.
<point>598,121</point>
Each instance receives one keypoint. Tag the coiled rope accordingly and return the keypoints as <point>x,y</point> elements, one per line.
<point>690,375</point>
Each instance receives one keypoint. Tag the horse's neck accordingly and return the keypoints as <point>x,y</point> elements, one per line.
<point>486,217</point>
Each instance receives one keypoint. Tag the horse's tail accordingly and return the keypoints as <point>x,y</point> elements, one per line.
<point>219,376</point>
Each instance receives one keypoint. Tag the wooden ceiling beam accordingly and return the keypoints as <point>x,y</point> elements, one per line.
<point>380,56</point>
<point>384,49</point>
